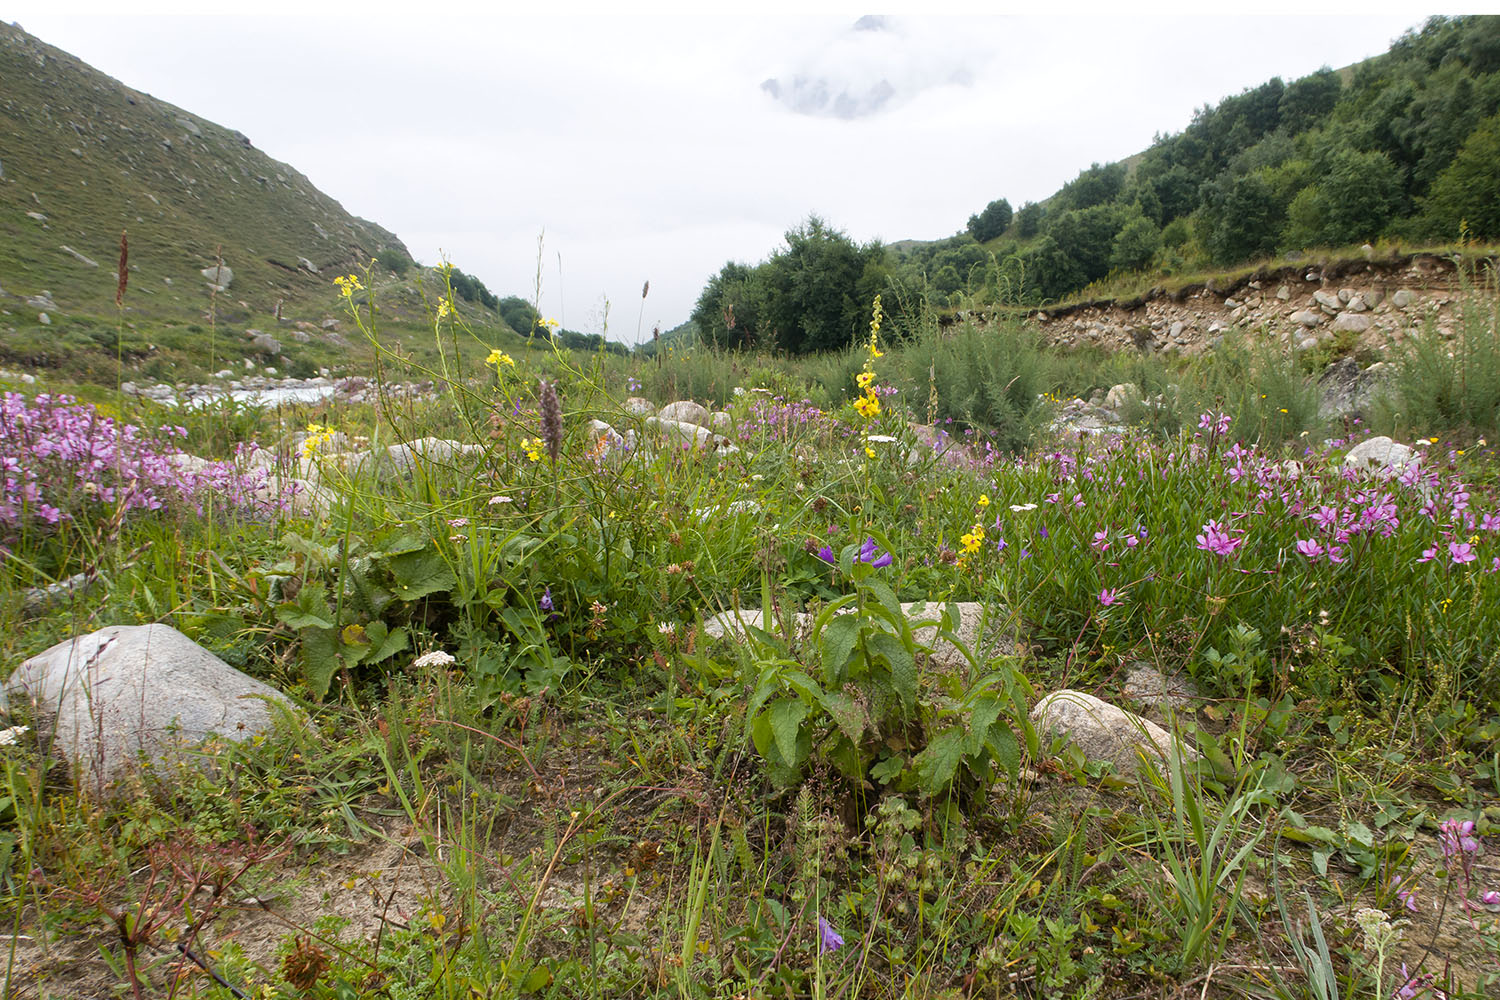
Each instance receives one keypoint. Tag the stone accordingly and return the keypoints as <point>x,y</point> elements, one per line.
<point>1402,298</point>
<point>1306,317</point>
<point>1105,732</point>
<point>307,265</point>
<point>1121,395</point>
<point>688,412</point>
<point>720,420</point>
<point>266,344</point>
<point>79,257</point>
<point>1283,293</point>
<point>1351,322</point>
<point>329,324</point>
<point>638,407</point>
<point>1380,454</point>
<point>44,319</point>
<point>218,277</point>
<point>1148,686</point>
<point>1176,329</point>
<point>696,435</point>
<point>35,600</point>
<point>1344,389</point>
<point>126,694</point>
<point>1372,297</point>
<point>1329,302</point>
<point>188,125</point>
<point>1346,295</point>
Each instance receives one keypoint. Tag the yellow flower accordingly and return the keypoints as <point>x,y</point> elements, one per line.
<point>868,406</point>
<point>863,379</point>
<point>317,436</point>
<point>971,541</point>
<point>533,448</point>
<point>984,500</point>
<point>443,308</point>
<point>869,452</point>
<point>348,285</point>
<point>499,358</point>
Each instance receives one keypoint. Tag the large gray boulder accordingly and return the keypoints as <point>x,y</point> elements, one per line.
<point>687,412</point>
<point>1106,732</point>
<point>219,277</point>
<point>131,694</point>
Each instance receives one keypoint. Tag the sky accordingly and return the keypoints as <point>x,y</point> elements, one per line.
<point>571,158</point>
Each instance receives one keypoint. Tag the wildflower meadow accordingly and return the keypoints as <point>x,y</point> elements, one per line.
<point>595,696</point>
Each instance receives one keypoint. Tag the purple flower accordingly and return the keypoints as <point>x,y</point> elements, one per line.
<point>1491,898</point>
<point>826,554</point>
<point>1108,596</point>
<point>1216,540</point>
<point>870,553</point>
<point>1310,547</point>
<point>546,602</point>
<point>1462,552</point>
<point>828,938</point>
<point>1457,838</point>
<point>1408,897</point>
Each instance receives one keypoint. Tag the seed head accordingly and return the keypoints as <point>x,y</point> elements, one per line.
<point>551,420</point>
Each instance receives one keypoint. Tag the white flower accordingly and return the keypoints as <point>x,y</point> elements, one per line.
<point>1018,507</point>
<point>436,658</point>
<point>880,438</point>
<point>665,628</point>
<point>12,736</point>
<point>499,499</point>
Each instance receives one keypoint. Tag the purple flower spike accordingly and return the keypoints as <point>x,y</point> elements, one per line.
<point>828,938</point>
<point>870,553</point>
<point>826,554</point>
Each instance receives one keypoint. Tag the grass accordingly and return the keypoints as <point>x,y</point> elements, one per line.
<point>586,796</point>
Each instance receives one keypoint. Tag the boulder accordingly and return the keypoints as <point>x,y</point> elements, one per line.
<point>127,694</point>
<point>1106,732</point>
<point>1330,302</point>
<point>638,407</point>
<point>696,435</point>
<point>1148,686</point>
<point>1380,454</point>
<point>218,277</point>
<point>265,343</point>
<point>1352,322</point>
<point>1122,394</point>
<point>687,412</point>
<point>1306,317</point>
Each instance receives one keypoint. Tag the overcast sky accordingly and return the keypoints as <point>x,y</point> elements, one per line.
<point>657,147</point>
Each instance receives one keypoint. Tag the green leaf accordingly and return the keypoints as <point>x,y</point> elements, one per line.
<point>938,763</point>
<point>320,659</point>
<point>984,710</point>
<point>888,770</point>
<point>786,718</point>
<point>900,662</point>
<point>417,574</point>
<point>1006,749</point>
<point>846,712</point>
<point>384,643</point>
<point>309,610</point>
<point>1360,834</point>
<point>835,643</point>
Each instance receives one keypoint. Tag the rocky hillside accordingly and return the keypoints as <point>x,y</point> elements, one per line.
<point>83,156</point>
<point>1350,306</point>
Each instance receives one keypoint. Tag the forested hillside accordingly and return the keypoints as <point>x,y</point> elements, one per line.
<point>1402,147</point>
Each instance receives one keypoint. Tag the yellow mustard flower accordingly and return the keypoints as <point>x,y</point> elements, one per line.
<point>348,285</point>
<point>533,448</point>
<point>500,359</point>
<point>443,308</point>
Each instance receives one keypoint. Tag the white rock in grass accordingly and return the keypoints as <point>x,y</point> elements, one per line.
<point>1105,732</point>
<point>638,407</point>
<point>1380,454</point>
<point>688,412</point>
<point>109,700</point>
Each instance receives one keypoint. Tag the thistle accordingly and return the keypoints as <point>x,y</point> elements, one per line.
<point>551,420</point>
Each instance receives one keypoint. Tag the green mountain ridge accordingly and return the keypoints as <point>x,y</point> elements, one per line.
<point>84,156</point>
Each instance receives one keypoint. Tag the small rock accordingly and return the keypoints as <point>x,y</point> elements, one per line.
<point>638,407</point>
<point>1352,323</point>
<point>1402,298</point>
<point>1145,684</point>
<point>1346,295</point>
<point>1380,454</point>
<point>1105,732</point>
<point>1306,317</point>
<point>266,344</point>
<point>219,278</point>
<point>44,319</point>
<point>1329,302</point>
<point>1283,293</point>
<point>688,412</point>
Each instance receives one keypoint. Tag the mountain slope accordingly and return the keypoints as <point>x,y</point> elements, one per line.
<point>83,156</point>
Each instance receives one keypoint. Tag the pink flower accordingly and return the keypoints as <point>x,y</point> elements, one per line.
<point>1428,555</point>
<point>1108,597</point>
<point>1310,547</point>
<point>1462,552</point>
<point>1216,540</point>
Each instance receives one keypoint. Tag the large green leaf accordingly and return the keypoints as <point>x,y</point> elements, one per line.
<point>309,610</point>
<point>785,717</point>
<point>847,713</point>
<point>384,643</point>
<point>417,574</point>
<point>938,763</point>
<point>1006,749</point>
<point>320,659</point>
<point>900,662</point>
<point>836,643</point>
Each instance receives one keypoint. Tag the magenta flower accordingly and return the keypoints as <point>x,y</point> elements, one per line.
<point>828,938</point>
<point>1428,555</point>
<point>1310,547</point>
<point>1491,898</point>
<point>1462,552</point>
<point>1218,541</point>
<point>1108,596</point>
